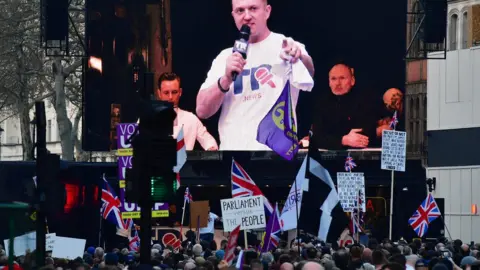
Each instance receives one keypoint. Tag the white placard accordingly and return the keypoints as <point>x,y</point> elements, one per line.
<point>394,150</point>
<point>249,212</point>
<point>350,186</point>
<point>29,241</point>
<point>68,248</point>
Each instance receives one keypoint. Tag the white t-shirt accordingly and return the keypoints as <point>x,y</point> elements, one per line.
<point>211,222</point>
<point>193,130</point>
<point>251,96</point>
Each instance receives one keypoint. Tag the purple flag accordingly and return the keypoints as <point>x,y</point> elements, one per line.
<point>271,239</point>
<point>278,130</point>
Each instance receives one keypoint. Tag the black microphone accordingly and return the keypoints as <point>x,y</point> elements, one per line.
<point>241,45</point>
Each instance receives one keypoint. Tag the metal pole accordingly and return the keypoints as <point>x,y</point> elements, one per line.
<point>298,216</point>
<point>392,184</point>
<point>11,222</point>
<point>41,167</point>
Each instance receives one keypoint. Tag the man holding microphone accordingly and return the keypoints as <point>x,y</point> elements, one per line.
<point>246,99</point>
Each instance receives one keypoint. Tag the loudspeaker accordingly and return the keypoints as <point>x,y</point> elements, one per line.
<point>436,229</point>
<point>435,21</point>
<point>56,19</point>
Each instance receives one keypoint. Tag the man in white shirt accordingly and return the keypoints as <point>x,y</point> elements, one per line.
<point>207,233</point>
<point>247,100</point>
<point>169,90</point>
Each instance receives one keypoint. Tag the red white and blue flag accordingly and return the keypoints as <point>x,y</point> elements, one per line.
<point>110,210</point>
<point>425,214</point>
<point>356,222</point>
<point>349,164</point>
<point>188,196</point>
<point>134,243</point>
<point>272,231</point>
<point>394,121</point>
<point>243,186</point>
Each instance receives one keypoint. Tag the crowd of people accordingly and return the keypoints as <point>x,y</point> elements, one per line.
<point>312,255</point>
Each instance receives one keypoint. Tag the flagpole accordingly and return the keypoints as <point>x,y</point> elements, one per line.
<point>392,184</point>
<point>358,215</point>
<point>391,205</point>
<point>296,210</point>
<point>183,216</point>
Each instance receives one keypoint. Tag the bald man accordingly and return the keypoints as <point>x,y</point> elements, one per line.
<point>286,266</point>
<point>342,117</point>
<point>312,266</point>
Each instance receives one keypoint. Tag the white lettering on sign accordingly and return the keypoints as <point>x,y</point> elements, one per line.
<point>126,131</point>
<point>394,150</point>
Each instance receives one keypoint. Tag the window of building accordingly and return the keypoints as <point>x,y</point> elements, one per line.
<point>453,32</point>
<point>465,30</point>
<point>104,159</point>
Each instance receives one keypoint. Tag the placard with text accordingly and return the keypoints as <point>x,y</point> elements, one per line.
<point>351,190</point>
<point>248,212</point>
<point>394,150</point>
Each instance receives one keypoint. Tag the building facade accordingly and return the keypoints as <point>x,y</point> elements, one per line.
<point>11,148</point>
<point>453,108</point>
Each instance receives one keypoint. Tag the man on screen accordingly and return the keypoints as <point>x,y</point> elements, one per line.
<point>247,100</point>
<point>343,120</point>
<point>169,90</point>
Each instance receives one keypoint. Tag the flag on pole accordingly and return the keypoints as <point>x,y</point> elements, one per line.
<point>293,203</point>
<point>394,122</point>
<point>181,155</point>
<point>134,242</point>
<point>278,129</point>
<point>349,163</point>
<point>243,186</point>
<point>188,196</point>
<point>427,212</point>
<point>271,238</point>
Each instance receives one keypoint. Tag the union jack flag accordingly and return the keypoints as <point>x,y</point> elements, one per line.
<point>356,222</point>
<point>273,229</point>
<point>243,186</point>
<point>110,210</point>
<point>188,196</point>
<point>134,243</point>
<point>349,164</point>
<point>394,121</point>
<point>425,214</point>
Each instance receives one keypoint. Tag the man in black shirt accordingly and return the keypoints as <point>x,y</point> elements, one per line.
<point>342,120</point>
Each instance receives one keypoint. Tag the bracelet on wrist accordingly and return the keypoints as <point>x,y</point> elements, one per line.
<point>220,86</point>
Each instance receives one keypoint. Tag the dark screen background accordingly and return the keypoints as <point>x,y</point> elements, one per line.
<point>370,36</point>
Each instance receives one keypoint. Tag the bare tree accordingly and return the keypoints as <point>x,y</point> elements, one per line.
<point>27,74</point>
<point>21,64</point>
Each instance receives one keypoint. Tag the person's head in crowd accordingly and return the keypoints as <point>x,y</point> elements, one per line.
<point>367,255</point>
<point>398,258</point>
<point>439,246</point>
<point>249,255</point>
<point>312,266</point>
<point>433,262</point>
<point>213,246</point>
<point>411,260</point>
<point>219,254</point>
<point>266,258</point>
<point>256,264</point>
<point>199,261</point>
<point>439,266</point>
<point>223,244</point>
<point>99,253</point>
<point>367,266</point>
<point>378,258</point>
<point>190,266</point>
<point>393,266</point>
<point>467,262</point>
<point>286,266</point>
<point>111,259</point>
<point>311,253</point>
<point>341,258</point>
<point>356,252</point>
<point>327,264</point>
<point>341,79</point>
<point>197,250</point>
<point>284,258</point>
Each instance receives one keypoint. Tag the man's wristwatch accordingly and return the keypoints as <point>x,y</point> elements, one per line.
<point>220,86</point>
